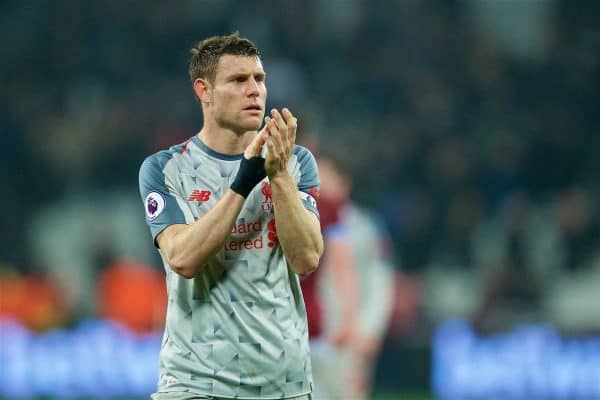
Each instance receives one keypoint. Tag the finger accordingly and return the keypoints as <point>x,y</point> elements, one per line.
<point>292,124</point>
<point>275,136</point>
<point>279,120</point>
<point>270,152</point>
<point>284,142</point>
<point>265,130</point>
<point>255,147</point>
<point>271,125</point>
<point>282,119</point>
<point>287,115</point>
<point>265,125</point>
<point>288,139</point>
<point>273,113</point>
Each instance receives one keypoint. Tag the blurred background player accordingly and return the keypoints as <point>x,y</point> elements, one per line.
<point>332,330</point>
<point>354,289</point>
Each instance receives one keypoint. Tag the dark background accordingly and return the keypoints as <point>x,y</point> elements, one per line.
<point>471,126</point>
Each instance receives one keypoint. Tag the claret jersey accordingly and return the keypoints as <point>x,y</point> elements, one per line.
<point>238,329</point>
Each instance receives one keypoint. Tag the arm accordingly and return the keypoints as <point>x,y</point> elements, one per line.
<point>298,230</point>
<point>378,284</point>
<point>341,273</point>
<point>377,280</point>
<point>188,248</point>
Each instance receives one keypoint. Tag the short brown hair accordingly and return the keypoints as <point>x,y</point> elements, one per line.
<point>206,54</point>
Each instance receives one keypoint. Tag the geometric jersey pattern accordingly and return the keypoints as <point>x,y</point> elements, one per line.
<point>238,329</point>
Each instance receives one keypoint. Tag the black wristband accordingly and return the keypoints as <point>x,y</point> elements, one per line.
<point>250,173</point>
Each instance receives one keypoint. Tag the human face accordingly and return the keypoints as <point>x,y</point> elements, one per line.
<point>239,93</point>
<point>334,184</point>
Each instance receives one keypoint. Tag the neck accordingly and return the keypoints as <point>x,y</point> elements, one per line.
<point>225,140</point>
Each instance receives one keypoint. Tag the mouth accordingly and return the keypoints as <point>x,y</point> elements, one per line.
<point>254,109</point>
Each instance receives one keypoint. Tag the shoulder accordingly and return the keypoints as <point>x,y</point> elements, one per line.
<point>368,220</point>
<point>303,154</point>
<point>337,230</point>
<point>153,167</point>
<point>305,159</point>
<point>158,160</point>
<point>307,165</point>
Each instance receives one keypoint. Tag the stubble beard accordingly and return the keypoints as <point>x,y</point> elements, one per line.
<point>239,126</point>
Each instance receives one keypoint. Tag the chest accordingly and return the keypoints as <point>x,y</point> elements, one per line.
<point>203,183</point>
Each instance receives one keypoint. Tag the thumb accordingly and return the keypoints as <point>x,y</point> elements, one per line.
<point>255,147</point>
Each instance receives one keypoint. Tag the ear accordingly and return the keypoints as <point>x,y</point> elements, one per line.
<point>202,89</point>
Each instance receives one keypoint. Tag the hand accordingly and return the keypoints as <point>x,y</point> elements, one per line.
<point>252,168</point>
<point>367,346</point>
<point>255,147</point>
<point>343,335</point>
<point>281,128</point>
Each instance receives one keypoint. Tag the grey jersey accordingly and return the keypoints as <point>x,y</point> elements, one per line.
<point>238,329</point>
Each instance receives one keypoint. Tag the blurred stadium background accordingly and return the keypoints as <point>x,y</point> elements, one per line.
<point>471,126</point>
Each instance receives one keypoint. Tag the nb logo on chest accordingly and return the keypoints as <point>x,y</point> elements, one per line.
<point>199,195</point>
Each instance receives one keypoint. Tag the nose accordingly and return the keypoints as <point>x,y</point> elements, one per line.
<point>253,90</point>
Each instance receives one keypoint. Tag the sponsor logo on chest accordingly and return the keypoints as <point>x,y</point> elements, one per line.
<point>243,235</point>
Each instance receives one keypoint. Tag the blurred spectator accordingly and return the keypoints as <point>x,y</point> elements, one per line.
<point>74,239</point>
<point>31,300</point>
<point>133,294</point>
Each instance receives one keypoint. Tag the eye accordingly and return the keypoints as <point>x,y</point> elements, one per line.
<point>240,79</point>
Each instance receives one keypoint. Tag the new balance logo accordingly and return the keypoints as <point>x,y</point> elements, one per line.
<point>199,195</point>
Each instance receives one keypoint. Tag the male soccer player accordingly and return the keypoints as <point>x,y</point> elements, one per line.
<point>354,291</point>
<point>235,230</point>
